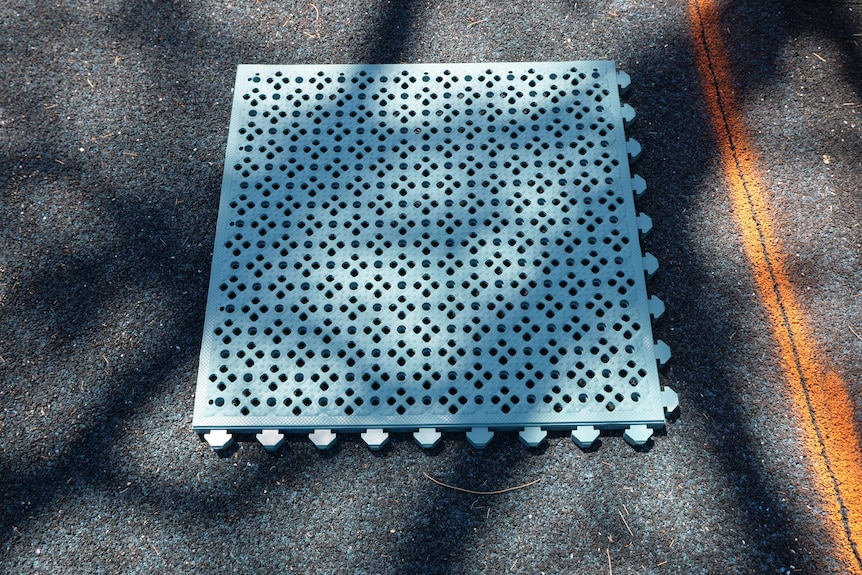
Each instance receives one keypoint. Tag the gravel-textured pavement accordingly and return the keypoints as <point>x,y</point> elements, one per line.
<point>113,123</point>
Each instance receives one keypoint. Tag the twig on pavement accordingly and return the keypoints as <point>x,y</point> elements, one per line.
<point>472,492</point>
<point>626,523</point>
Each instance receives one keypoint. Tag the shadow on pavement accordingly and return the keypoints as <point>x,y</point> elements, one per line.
<point>392,34</point>
<point>675,158</point>
<point>50,300</point>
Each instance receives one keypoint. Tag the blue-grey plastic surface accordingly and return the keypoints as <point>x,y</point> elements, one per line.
<point>429,247</point>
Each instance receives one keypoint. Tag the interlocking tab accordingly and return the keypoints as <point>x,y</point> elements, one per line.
<point>644,224</point>
<point>637,435</point>
<point>322,438</point>
<point>218,439</point>
<point>532,436</point>
<point>271,439</point>
<point>375,438</point>
<point>638,186</point>
<point>584,436</point>
<point>480,437</point>
<point>430,247</point>
<point>427,437</point>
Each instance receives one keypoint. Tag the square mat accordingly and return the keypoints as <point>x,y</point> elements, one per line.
<point>426,248</point>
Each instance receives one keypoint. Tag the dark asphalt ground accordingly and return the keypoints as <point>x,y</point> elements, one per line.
<point>113,122</point>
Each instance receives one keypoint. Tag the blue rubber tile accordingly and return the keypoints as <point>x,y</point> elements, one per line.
<point>430,247</point>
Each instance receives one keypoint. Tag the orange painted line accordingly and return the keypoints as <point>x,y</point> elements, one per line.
<point>819,395</point>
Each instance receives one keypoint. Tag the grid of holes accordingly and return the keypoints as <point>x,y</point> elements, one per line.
<point>427,243</point>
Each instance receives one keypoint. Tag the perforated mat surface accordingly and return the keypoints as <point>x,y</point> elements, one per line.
<point>429,247</point>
